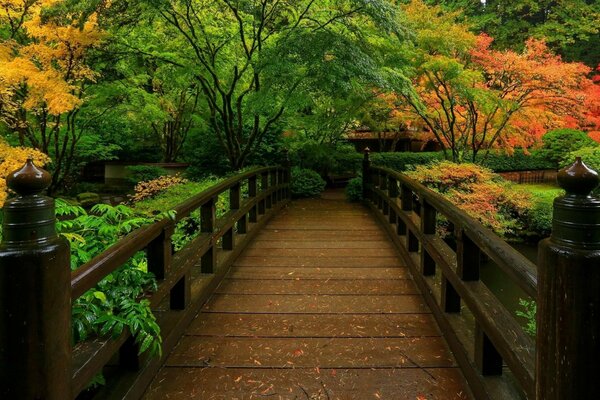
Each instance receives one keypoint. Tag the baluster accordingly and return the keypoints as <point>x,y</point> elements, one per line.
<point>273,184</point>
<point>413,242</point>
<point>468,257</point>
<point>181,294</point>
<point>129,358</point>
<point>393,193</point>
<point>207,225</point>
<point>381,184</point>
<point>252,191</point>
<point>406,197</point>
<point>366,174</point>
<point>428,227</point>
<point>234,205</point>
<point>287,173</point>
<point>385,188</point>
<point>160,252</point>
<point>264,185</point>
<point>450,297</point>
<point>487,358</point>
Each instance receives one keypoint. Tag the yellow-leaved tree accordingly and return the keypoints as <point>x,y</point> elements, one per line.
<point>43,76</point>
<point>13,158</point>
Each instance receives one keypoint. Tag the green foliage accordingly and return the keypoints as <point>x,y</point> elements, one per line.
<point>354,190</point>
<point>528,312</point>
<point>557,144</point>
<point>570,27</point>
<point>539,214</point>
<point>306,183</point>
<point>405,161</point>
<point>113,305</point>
<point>589,155</point>
<point>144,173</point>
<point>325,158</point>
<point>205,155</point>
<point>518,161</point>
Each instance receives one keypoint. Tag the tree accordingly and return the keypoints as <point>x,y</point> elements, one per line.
<point>255,60</point>
<point>473,98</point>
<point>43,78</point>
<point>570,27</point>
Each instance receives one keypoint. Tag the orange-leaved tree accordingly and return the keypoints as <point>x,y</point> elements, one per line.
<point>474,98</point>
<point>43,76</point>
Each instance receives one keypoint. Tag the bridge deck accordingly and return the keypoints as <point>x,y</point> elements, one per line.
<point>318,307</point>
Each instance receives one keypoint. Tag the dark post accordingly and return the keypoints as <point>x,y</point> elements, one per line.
<point>35,294</point>
<point>568,307</point>
<point>287,174</point>
<point>207,226</point>
<point>366,174</point>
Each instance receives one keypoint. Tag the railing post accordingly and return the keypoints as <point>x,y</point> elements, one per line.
<point>428,227</point>
<point>568,306</point>
<point>207,226</point>
<point>235,199</point>
<point>366,173</point>
<point>252,191</point>
<point>264,185</point>
<point>287,175</point>
<point>35,294</point>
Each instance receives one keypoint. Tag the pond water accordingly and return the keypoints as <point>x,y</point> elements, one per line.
<point>498,282</point>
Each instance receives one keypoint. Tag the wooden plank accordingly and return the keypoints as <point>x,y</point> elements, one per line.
<point>299,286</point>
<point>340,255</point>
<point>317,273</point>
<point>321,244</point>
<point>199,351</point>
<point>316,304</point>
<point>314,384</point>
<point>316,261</point>
<point>314,325</point>
<point>321,234</point>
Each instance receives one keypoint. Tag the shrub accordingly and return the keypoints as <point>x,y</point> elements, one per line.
<point>306,183</point>
<point>539,214</point>
<point>354,190</point>
<point>147,189</point>
<point>480,193</point>
<point>557,144</point>
<point>405,160</point>
<point>589,155</point>
<point>518,161</point>
<point>144,173</point>
<point>115,304</point>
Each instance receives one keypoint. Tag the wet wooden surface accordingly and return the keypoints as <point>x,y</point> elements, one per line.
<point>318,307</point>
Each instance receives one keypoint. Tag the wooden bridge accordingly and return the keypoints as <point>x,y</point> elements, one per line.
<point>308,299</point>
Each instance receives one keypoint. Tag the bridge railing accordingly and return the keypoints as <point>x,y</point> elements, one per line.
<point>482,333</point>
<point>185,280</point>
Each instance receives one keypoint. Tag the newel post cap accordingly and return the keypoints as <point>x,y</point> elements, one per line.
<point>578,179</point>
<point>29,179</point>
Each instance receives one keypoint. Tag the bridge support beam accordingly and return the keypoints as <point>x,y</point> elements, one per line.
<point>35,294</point>
<point>568,313</point>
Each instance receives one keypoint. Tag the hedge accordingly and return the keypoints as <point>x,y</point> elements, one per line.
<point>519,161</point>
<point>496,161</point>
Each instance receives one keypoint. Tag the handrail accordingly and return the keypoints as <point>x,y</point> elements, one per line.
<point>220,241</point>
<point>518,267</point>
<point>450,279</point>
